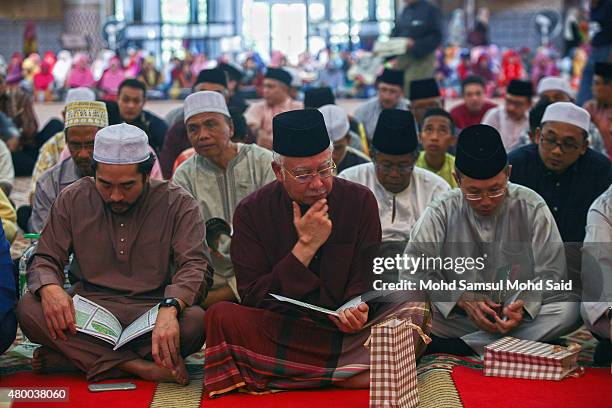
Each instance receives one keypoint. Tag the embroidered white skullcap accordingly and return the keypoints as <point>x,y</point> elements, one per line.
<point>567,112</point>
<point>336,121</point>
<point>205,101</point>
<point>81,94</point>
<point>552,83</point>
<point>121,144</point>
<point>86,114</point>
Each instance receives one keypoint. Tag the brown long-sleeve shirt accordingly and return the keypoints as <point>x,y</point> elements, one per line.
<point>154,250</point>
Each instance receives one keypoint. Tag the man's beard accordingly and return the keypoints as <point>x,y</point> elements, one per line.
<point>123,207</point>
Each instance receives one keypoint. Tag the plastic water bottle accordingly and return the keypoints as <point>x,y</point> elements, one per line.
<point>23,263</point>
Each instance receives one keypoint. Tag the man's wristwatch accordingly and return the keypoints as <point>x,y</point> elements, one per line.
<point>171,302</point>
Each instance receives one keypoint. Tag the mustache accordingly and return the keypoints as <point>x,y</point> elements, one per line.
<point>317,193</point>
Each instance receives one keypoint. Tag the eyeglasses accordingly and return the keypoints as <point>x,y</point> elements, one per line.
<point>550,144</point>
<point>401,168</point>
<point>488,194</point>
<point>308,177</point>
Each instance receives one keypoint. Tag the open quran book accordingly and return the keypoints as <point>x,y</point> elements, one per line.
<point>97,321</point>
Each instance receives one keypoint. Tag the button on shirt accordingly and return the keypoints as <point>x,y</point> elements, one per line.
<point>568,195</point>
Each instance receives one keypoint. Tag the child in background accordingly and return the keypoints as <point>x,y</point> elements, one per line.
<point>437,136</point>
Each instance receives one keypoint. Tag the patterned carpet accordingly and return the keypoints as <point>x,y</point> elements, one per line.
<point>436,387</point>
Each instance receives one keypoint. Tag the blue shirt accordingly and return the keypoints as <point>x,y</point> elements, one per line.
<point>7,280</point>
<point>568,195</point>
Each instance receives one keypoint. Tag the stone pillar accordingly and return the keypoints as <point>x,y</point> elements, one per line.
<point>83,18</point>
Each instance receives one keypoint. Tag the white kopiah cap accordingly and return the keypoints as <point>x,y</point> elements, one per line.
<point>554,84</point>
<point>567,112</point>
<point>121,144</point>
<point>336,121</point>
<point>81,94</point>
<point>205,101</point>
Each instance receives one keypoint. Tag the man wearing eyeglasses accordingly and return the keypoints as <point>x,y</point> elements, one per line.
<point>82,122</point>
<point>401,190</point>
<point>509,234</point>
<point>219,176</point>
<point>511,118</point>
<point>562,169</point>
<point>307,236</point>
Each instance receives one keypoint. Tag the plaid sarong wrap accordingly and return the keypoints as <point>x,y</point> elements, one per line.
<point>515,358</point>
<point>393,377</point>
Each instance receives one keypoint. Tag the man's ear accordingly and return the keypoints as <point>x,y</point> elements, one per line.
<point>278,172</point>
<point>509,171</point>
<point>536,138</point>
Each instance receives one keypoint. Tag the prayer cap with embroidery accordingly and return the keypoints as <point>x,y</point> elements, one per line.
<point>121,144</point>
<point>86,114</point>
<point>205,101</point>
<point>299,133</point>
<point>480,152</point>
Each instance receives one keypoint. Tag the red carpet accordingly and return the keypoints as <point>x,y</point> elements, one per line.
<point>593,389</point>
<point>295,399</point>
<point>79,395</point>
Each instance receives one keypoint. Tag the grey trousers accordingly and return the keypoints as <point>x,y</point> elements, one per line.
<point>553,321</point>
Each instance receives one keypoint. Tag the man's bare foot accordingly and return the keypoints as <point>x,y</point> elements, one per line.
<point>47,361</point>
<point>150,371</point>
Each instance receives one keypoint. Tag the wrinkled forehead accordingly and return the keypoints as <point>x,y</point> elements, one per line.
<point>311,162</point>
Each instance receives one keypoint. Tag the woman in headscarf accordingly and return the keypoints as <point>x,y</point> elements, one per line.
<point>62,68</point>
<point>43,83</point>
<point>80,74</point>
<point>111,79</point>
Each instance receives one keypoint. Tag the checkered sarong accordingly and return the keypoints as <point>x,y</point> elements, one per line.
<point>511,357</point>
<point>393,377</point>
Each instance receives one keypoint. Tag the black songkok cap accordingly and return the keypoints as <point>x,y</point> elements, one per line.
<point>279,74</point>
<point>392,76</point>
<point>299,133</point>
<point>480,152</point>
<point>520,88</point>
<point>316,97</point>
<point>603,69</point>
<point>395,132</point>
<point>423,89</point>
<point>234,73</point>
<point>213,76</point>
